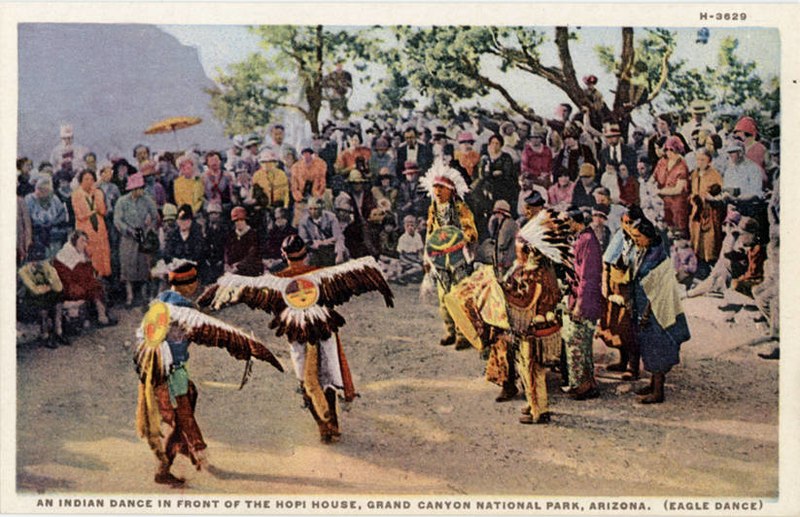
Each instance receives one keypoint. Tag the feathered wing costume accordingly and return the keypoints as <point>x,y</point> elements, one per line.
<point>154,358</point>
<point>302,303</point>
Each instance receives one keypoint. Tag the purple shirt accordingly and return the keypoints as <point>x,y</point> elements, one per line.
<point>588,275</point>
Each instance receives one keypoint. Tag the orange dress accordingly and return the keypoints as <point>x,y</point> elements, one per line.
<point>86,205</point>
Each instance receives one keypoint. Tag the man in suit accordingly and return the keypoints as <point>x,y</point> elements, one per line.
<point>616,152</point>
<point>413,151</point>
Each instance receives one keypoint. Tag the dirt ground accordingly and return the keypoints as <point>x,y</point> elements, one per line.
<point>425,423</point>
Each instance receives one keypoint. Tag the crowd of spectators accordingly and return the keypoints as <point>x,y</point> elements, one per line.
<point>102,231</point>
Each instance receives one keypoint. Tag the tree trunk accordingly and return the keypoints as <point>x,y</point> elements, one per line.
<point>314,89</point>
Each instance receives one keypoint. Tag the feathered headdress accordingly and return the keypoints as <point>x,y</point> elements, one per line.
<point>441,174</point>
<point>549,235</point>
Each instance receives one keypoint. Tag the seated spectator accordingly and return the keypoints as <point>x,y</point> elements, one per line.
<point>276,233</point>
<point>185,240</point>
<point>352,228</point>
<point>466,156</point>
<point>78,277</point>
<point>410,247</point>
<point>384,189</point>
<point>43,294</point>
<point>212,263</point>
<point>610,180</point>
<point>243,249</point>
<point>322,235</point>
<point>559,195</point>
<point>582,193</point>
<point>750,246</point>
<point>684,260</point>
<point>537,158</point>
<point>528,186</point>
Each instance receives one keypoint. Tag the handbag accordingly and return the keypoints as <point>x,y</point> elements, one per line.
<point>148,242</point>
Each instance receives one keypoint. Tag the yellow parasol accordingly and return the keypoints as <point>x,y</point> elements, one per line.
<point>172,124</point>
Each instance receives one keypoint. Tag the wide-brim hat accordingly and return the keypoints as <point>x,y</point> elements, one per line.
<point>169,212</point>
<point>734,146</point>
<point>534,199</point>
<point>466,137</point>
<point>410,168</point>
<point>698,107</point>
<point>135,181</point>
<point>267,156</point>
<point>587,170</point>
<point>252,139</point>
<point>355,176</point>
<point>238,213</point>
<point>501,206</point>
<point>611,130</point>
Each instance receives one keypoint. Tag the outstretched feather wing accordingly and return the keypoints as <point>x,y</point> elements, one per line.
<point>258,292</point>
<point>206,330</point>
<point>337,284</point>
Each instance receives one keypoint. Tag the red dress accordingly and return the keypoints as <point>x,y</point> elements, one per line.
<point>676,207</point>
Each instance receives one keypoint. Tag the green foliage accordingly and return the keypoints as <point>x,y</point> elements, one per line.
<point>292,65</point>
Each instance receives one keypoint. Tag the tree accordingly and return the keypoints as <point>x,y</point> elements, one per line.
<point>288,74</point>
<point>731,87</point>
<point>447,64</point>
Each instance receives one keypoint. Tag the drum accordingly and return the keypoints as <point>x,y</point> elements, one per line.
<point>445,248</point>
<point>475,302</point>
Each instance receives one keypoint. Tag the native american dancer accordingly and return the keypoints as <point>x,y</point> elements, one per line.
<point>302,299</point>
<point>615,328</point>
<point>532,294</point>
<point>659,322</point>
<point>166,395</point>
<point>451,228</point>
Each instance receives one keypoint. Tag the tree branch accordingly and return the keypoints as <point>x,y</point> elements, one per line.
<point>662,79</point>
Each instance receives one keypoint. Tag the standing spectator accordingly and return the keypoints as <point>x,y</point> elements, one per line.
<point>616,152</point>
<point>48,219</point>
<point>496,179</point>
<point>24,166</point>
<point>278,144</point>
<point>573,154</point>
<point>613,211</point>
<point>531,206</point>
<point>24,230</point>
<point>152,183</point>
<point>698,110</point>
<point>352,227</point>
<point>308,180</point>
<point>628,186</point>
<point>600,227</point>
<point>381,158</point>
<point>243,249</point>
<point>122,169</point>
<point>498,249</point>
<point>134,215</point>
<point>672,178</point>
<point>746,131</point>
<point>270,184</point>
<point>78,276</point>
<point>527,186</point>
<point>707,212</point>
<point>537,158</point>
<point>218,185</point>
<point>66,155</point>
<point>610,181</point>
<point>89,207</point>
<point>322,235</point>
<point>466,155</point>
<point>584,305</point>
<point>250,154</point>
<point>743,181</point>
<point>187,189</point>
<point>412,150</point>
